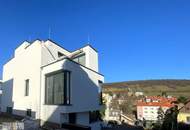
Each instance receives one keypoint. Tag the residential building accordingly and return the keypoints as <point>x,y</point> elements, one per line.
<point>184,113</point>
<point>147,108</point>
<point>110,112</point>
<point>139,94</point>
<point>49,83</point>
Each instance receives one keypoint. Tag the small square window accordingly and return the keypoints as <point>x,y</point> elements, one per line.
<point>188,118</point>
<point>9,110</point>
<point>27,87</point>
<point>28,112</point>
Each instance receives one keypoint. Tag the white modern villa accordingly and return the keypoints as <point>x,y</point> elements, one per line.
<point>47,82</point>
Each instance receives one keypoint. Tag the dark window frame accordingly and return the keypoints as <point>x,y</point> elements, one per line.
<point>9,110</point>
<point>59,54</point>
<point>100,94</point>
<point>94,116</point>
<point>72,118</point>
<point>188,118</point>
<point>65,72</point>
<point>77,59</point>
<point>29,112</point>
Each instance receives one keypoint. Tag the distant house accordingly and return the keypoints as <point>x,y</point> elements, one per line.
<point>147,108</point>
<point>110,112</point>
<point>139,94</point>
<point>114,114</point>
<point>49,83</point>
<point>184,114</point>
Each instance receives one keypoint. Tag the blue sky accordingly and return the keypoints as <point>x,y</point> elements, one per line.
<point>136,39</point>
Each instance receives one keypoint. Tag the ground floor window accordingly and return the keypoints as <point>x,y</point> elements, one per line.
<point>29,112</point>
<point>188,119</point>
<point>9,110</point>
<point>72,118</point>
<point>94,116</point>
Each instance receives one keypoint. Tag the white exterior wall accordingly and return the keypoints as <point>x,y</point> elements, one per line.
<point>50,52</point>
<point>84,91</point>
<point>91,58</point>
<point>139,112</point>
<point>27,63</point>
<point>148,112</point>
<point>21,49</point>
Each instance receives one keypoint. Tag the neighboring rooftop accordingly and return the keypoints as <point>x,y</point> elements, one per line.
<point>156,101</point>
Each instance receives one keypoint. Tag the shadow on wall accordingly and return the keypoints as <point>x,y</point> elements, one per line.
<point>84,98</point>
<point>7,102</point>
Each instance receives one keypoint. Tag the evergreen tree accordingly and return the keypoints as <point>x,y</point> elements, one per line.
<point>160,116</point>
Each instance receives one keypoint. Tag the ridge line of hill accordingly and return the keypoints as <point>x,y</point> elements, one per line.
<point>147,80</point>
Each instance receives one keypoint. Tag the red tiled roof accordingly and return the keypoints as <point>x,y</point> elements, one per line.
<point>156,101</point>
<point>155,104</point>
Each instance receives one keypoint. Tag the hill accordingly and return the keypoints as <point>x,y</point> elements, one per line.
<point>151,87</point>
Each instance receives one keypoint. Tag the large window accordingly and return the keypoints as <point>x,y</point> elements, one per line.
<point>27,87</point>
<point>80,59</point>
<point>57,88</point>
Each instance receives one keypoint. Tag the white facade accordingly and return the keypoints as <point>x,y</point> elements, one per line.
<point>139,94</point>
<point>32,62</point>
<point>0,93</point>
<point>149,112</point>
<point>147,108</point>
<point>110,113</point>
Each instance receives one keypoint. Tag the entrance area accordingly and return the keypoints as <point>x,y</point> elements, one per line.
<point>70,122</point>
<point>72,118</point>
